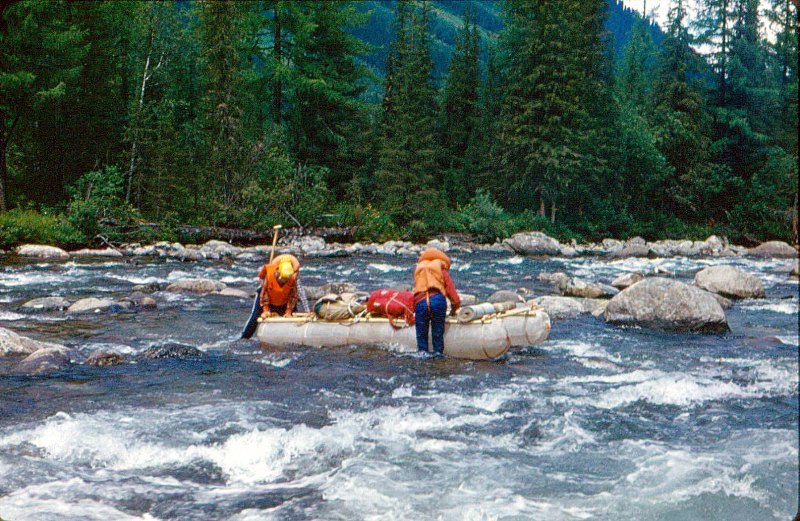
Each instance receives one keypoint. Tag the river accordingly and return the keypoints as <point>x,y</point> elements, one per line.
<point>598,422</point>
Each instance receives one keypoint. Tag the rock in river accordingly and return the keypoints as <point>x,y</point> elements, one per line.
<point>40,251</point>
<point>105,358</point>
<point>561,307</point>
<point>196,286</point>
<point>666,304</point>
<point>13,344</point>
<point>43,361</point>
<point>729,282</point>
<point>46,304</point>
<point>581,288</point>
<point>533,243</point>
<point>233,292</point>
<point>773,249</point>
<point>627,279</point>
<point>97,305</point>
<point>172,350</point>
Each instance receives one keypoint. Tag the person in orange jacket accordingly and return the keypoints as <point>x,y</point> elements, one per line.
<point>431,283</point>
<point>279,291</point>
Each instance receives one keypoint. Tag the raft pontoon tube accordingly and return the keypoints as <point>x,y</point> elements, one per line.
<point>486,338</point>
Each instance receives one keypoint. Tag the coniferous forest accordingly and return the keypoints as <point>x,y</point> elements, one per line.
<point>242,114</point>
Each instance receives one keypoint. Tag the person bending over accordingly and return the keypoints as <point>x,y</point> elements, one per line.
<point>279,293</point>
<point>432,283</point>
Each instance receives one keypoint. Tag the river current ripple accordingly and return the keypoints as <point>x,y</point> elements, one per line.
<point>599,422</point>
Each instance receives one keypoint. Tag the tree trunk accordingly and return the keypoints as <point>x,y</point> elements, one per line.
<point>541,207</point>
<point>3,173</point>
<point>794,220</point>
<point>278,54</point>
<point>137,118</point>
<point>553,212</point>
<point>724,55</point>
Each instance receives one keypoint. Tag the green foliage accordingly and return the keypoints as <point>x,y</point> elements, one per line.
<point>21,226</point>
<point>98,203</point>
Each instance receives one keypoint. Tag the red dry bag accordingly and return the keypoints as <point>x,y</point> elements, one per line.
<point>392,304</point>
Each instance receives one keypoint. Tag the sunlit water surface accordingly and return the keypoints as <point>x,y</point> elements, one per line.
<point>598,422</point>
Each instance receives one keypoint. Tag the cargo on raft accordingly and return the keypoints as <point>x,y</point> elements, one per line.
<point>486,338</point>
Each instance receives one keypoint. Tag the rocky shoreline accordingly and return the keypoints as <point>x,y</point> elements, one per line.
<point>525,243</point>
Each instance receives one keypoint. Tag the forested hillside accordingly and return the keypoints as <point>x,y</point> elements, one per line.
<point>243,114</point>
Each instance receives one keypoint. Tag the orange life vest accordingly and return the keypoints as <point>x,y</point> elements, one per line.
<point>278,294</point>
<point>434,254</point>
<point>428,276</point>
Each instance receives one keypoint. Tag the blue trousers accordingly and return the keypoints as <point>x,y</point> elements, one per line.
<point>433,316</point>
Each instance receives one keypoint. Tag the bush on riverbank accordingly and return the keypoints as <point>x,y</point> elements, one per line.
<point>29,226</point>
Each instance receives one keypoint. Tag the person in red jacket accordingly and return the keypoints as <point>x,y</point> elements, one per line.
<point>279,292</point>
<point>432,283</point>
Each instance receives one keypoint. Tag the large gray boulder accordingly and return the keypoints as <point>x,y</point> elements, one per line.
<point>46,304</point>
<point>561,307</point>
<point>773,249</point>
<point>43,361</point>
<point>666,304</point>
<point>237,293</point>
<point>505,295</point>
<point>631,250</point>
<point>557,279</point>
<point>171,350</point>
<point>12,343</point>
<point>40,251</point>
<point>200,286</point>
<point>581,288</point>
<point>627,279</point>
<point>729,282</point>
<point>97,305</point>
<point>533,243</point>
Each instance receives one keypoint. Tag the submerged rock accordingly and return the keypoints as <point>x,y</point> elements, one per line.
<point>773,249</point>
<point>172,350</point>
<point>627,279</point>
<point>43,361</point>
<point>560,307</point>
<point>105,358</point>
<point>150,287</point>
<point>141,300</point>
<point>104,252</point>
<point>666,304</point>
<point>557,279</point>
<point>97,305</point>
<point>196,286</point>
<point>12,343</point>
<point>729,282</point>
<point>233,292</point>
<point>581,288</point>
<point>41,251</point>
<point>533,243</point>
<point>46,304</point>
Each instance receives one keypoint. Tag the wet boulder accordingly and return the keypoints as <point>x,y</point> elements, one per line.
<point>505,295</point>
<point>46,304</point>
<point>627,279</point>
<point>631,250</point>
<point>557,279</point>
<point>233,292</point>
<point>102,252</point>
<point>773,249</point>
<point>150,287</point>
<point>795,273</point>
<point>200,286</point>
<point>439,245</point>
<point>97,305</point>
<point>43,361</point>
<point>729,282</point>
<point>105,358</point>
<point>171,350</point>
<point>612,245</point>
<point>141,300</point>
<point>189,255</point>
<point>568,251</point>
<point>580,288</point>
<point>673,248</point>
<point>533,243</point>
<point>40,251</point>
<point>668,305</point>
<point>12,343</point>
<point>560,307</point>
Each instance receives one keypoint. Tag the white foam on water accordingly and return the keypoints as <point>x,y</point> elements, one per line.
<point>387,268</point>
<point>404,391</point>
<point>789,340</point>
<point>135,279</point>
<point>231,279</point>
<point>9,316</point>
<point>683,389</point>
<point>106,346</point>
<point>513,261</point>
<point>275,361</point>
<point>788,307</point>
<point>60,501</point>
<point>579,349</point>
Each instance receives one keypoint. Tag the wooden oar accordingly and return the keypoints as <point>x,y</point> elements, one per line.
<point>252,322</point>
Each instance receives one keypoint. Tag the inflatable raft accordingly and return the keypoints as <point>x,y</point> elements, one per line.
<point>486,338</point>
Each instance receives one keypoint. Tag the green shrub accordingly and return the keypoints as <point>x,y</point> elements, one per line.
<point>28,226</point>
<point>97,203</point>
